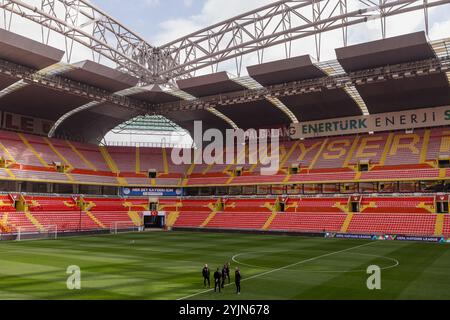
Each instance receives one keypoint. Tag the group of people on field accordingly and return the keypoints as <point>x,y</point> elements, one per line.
<point>220,276</point>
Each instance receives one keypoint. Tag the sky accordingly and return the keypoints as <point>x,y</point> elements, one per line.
<point>160,21</point>
<point>147,17</point>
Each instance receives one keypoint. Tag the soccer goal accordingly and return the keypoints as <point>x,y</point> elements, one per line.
<point>125,226</point>
<point>48,232</point>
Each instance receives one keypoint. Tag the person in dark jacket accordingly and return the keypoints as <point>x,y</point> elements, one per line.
<point>224,276</point>
<point>227,269</point>
<point>217,276</point>
<point>206,276</point>
<point>237,280</point>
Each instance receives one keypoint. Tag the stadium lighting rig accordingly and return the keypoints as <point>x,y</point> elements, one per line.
<point>186,96</point>
<point>333,68</point>
<point>346,81</point>
<point>26,75</point>
<point>52,70</point>
<point>250,83</point>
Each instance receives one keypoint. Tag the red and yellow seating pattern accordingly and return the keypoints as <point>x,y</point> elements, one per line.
<point>378,215</point>
<point>406,216</point>
<point>393,156</point>
<point>65,213</point>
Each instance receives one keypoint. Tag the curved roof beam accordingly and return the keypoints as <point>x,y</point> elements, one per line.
<point>186,96</point>
<point>252,84</point>
<point>87,106</point>
<point>333,68</point>
<point>219,114</point>
<point>55,69</point>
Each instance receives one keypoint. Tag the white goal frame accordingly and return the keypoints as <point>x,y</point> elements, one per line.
<point>49,232</point>
<point>124,227</point>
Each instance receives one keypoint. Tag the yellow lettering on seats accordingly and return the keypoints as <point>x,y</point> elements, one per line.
<point>338,146</point>
<point>361,152</point>
<point>304,150</point>
<point>412,145</point>
<point>445,142</point>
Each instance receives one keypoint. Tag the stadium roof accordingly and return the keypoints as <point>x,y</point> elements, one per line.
<point>405,48</point>
<point>254,114</point>
<point>6,81</point>
<point>428,90</point>
<point>27,52</point>
<point>101,76</point>
<point>322,104</point>
<point>37,101</point>
<point>92,122</point>
<point>208,85</point>
<point>147,124</point>
<point>186,120</point>
<point>283,71</point>
<point>154,94</point>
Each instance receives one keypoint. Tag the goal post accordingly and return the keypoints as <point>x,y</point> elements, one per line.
<point>49,232</point>
<point>125,226</point>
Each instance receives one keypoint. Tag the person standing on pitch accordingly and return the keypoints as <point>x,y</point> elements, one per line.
<point>206,276</point>
<point>237,280</point>
<point>217,277</point>
<point>224,275</point>
<point>227,269</point>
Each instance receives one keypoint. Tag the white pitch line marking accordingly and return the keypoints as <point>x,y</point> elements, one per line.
<point>396,263</point>
<point>282,268</point>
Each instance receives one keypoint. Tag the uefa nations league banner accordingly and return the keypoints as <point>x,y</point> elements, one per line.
<point>142,192</point>
<point>387,237</point>
<point>420,118</point>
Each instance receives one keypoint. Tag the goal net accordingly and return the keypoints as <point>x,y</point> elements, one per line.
<point>125,226</point>
<point>48,232</point>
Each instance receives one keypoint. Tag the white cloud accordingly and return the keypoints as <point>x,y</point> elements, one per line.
<point>213,11</point>
<point>151,3</point>
<point>188,3</point>
<point>440,30</point>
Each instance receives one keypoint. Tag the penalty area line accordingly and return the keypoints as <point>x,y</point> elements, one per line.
<point>282,268</point>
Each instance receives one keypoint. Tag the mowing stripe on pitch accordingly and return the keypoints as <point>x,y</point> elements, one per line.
<point>282,268</point>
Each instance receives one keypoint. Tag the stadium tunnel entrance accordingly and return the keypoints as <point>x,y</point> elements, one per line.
<point>154,221</point>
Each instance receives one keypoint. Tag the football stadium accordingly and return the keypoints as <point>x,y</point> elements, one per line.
<point>281,150</point>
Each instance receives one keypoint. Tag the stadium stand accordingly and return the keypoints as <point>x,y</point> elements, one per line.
<point>330,191</point>
<point>394,223</point>
<point>308,221</point>
<point>446,226</point>
<point>67,221</point>
<point>239,220</point>
<point>32,159</point>
<point>378,215</point>
<point>397,205</point>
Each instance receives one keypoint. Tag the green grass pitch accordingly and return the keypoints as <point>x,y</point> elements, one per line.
<point>167,265</point>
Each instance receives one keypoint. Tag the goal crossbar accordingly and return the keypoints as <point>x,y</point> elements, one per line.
<point>124,226</point>
<point>47,232</point>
